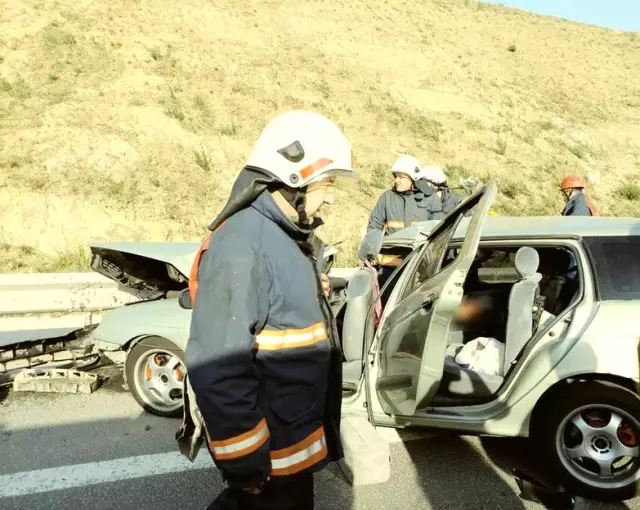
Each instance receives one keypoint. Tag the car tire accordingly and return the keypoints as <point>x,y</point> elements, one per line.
<point>599,420</point>
<point>154,370</point>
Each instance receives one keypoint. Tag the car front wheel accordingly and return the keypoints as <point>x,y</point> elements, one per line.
<point>590,433</point>
<point>155,371</point>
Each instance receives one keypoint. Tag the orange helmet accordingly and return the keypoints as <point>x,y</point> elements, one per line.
<point>572,181</point>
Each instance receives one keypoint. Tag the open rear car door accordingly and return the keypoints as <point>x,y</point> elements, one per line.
<point>412,339</point>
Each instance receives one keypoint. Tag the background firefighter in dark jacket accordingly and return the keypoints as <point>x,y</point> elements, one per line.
<point>577,203</point>
<point>408,202</point>
<point>263,357</point>
<point>449,200</point>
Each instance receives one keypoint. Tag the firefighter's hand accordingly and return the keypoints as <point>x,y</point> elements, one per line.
<point>326,284</point>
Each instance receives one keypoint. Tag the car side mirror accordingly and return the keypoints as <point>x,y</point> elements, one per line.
<point>184,299</point>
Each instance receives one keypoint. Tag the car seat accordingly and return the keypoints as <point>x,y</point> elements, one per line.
<point>360,296</point>
<point>458,381</point>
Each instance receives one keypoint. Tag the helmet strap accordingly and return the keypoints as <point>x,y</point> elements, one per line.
<point>297,198</point>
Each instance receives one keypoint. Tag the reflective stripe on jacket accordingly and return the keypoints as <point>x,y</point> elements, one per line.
<point>262,356</point>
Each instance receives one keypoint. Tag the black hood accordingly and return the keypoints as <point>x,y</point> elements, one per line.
<point>266,205</point>
<point>249,185</point>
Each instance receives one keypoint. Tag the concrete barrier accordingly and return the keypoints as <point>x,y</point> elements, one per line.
<point>55,381</point>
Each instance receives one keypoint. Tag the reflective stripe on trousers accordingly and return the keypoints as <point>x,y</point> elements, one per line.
<point>300,456</point>
<point>272,340</point>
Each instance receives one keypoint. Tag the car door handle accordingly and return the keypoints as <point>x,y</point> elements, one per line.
<point>428,303</point>
<point>394,382</point>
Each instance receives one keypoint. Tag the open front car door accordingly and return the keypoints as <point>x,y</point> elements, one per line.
<point>412,339</point>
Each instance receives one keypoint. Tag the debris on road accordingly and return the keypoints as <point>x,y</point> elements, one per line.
<point>72,349</point>
<point>367,455</point>
<point>55,381</point>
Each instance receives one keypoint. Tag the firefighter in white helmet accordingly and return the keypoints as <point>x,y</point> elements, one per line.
<point>400,206</point>
<point>263,357</point>
<point>437,180</point>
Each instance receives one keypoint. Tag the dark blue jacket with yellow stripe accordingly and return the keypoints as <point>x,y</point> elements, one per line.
<point>395,211</point>
<point>262,356</point>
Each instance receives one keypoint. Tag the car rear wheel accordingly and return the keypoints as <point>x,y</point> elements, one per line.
<point>155,371</point>
<point>590,434</point>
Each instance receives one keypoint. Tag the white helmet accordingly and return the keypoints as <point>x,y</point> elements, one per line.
<point>300,147</point>
<point>407,165</point>
<point>433,173</point>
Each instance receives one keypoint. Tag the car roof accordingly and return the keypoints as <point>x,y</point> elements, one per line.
<point>530,226</point>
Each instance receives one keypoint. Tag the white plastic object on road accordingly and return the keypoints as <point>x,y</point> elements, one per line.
<point>367,455</point>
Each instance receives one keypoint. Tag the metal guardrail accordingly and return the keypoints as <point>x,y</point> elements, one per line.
<point>53,304</point>
<point>35,293</point>
<point>47,305</point>
<point>41,316</point>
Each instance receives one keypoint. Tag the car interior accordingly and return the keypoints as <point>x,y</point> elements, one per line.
<point>519,289</point>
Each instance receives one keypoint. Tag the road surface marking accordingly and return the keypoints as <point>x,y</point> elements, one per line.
<point>141,466</point>
<point>80,475</point>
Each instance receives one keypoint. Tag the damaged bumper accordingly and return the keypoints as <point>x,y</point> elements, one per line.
<point>54,349</point>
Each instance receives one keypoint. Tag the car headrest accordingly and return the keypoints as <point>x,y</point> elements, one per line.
<point>527,261</point>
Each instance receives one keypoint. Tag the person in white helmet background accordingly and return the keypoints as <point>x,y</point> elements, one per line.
<point>435,177</point>
<point>263,355</point>
<point>400,206</point>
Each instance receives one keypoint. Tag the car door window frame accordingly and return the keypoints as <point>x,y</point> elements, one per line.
<point>445,237</point>
<point>547,242</point>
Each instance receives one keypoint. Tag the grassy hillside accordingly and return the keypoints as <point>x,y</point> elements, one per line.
<point>128,120</point>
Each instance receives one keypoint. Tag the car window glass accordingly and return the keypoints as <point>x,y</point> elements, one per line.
<point>623,266</point>
<point>500,259</point>
<point>617,266</point>
<point>430,261</point>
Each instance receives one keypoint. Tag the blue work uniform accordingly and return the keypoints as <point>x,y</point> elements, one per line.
<point>263,355</point>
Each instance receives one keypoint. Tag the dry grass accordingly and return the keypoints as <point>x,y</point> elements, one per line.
<point>129,120</point>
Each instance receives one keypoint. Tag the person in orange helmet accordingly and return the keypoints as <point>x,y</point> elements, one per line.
<point>577,203</point>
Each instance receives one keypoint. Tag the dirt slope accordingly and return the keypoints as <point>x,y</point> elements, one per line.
<point>127,120</point>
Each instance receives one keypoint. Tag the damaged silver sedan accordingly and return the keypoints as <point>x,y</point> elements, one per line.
<point>565,303</point>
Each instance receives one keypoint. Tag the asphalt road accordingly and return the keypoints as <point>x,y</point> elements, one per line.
<point>101,451</point>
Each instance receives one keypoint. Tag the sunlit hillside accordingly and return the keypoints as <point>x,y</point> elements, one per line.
<point>128,120</point>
